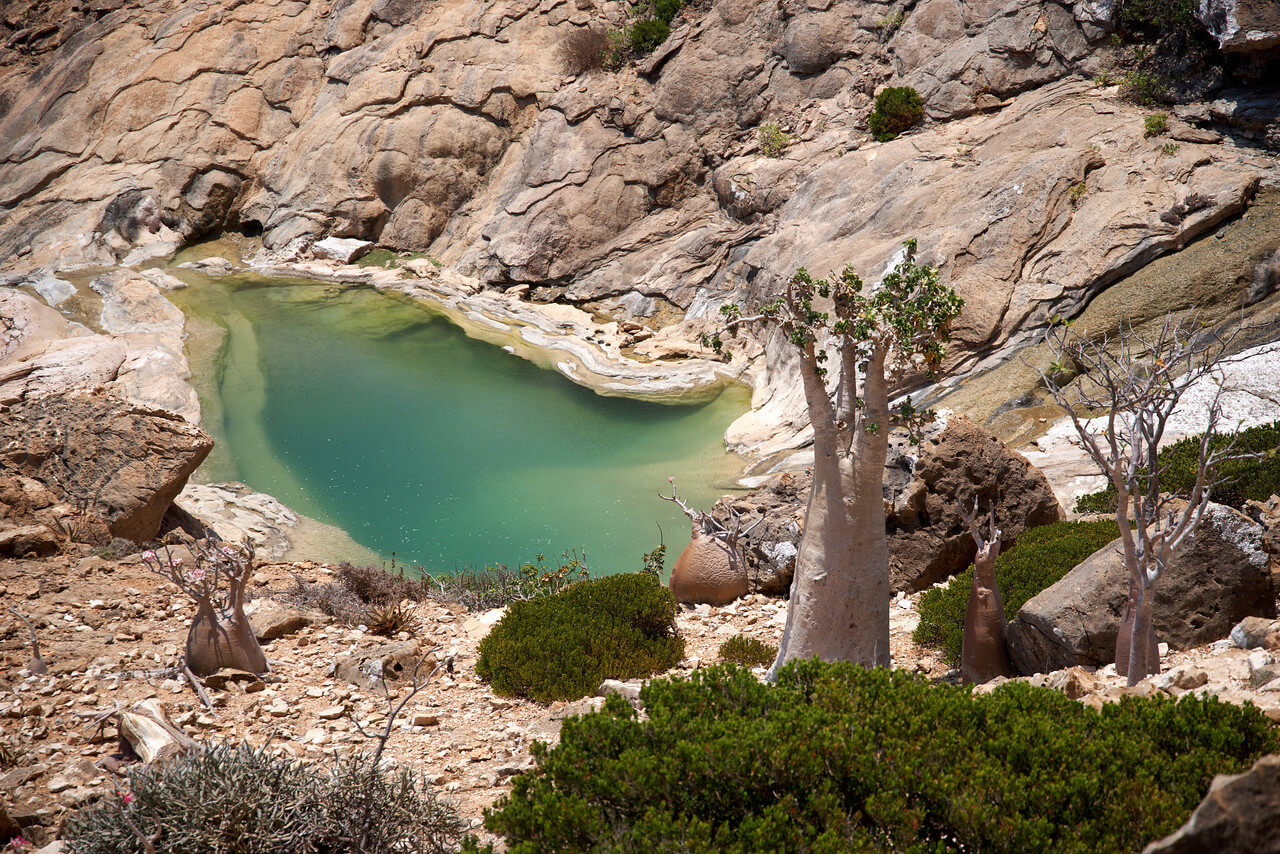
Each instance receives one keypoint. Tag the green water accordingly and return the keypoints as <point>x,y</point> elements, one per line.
<point>373,413</point>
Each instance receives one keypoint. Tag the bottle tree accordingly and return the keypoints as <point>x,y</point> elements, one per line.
<point>839,609</point>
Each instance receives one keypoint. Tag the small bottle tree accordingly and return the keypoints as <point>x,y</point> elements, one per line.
<point>1132,382</point>
<point>216,580</point>
<point>839,607</point>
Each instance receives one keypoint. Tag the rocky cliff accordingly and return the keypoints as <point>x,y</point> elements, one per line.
<point>643,192</point>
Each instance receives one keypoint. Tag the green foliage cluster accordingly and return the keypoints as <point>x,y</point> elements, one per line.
<point>897,108</point>
<point>748,652</point>
<point>1041,556</point>
<point>562,647</point>
<point>1159,16</point>
<point>837,758</point>
<point>649,30</point>
<point>647,33</point>
<point>1242,480</point>
<point>773,139</point>
<point>228,798</point>
<point>1156,124</point>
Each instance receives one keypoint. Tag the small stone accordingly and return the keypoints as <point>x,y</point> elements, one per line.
<point>331,714</point>
<point>1262,668</point>
<point>423,719</point>
<point>1163,649</point>
<point>59,783</point>
<point>1189,677</point>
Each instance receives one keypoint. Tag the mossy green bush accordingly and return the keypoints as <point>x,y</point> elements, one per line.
<point>1160,15</point>
<point>240,799</point>
<point>647,33</point>
<point>562,647</point>
<point>837,758</point>
<point>1041,557</point>
<point>666,10</point>
<point>897,109</point>
<point>1242,480</point>
<point>748,652</point>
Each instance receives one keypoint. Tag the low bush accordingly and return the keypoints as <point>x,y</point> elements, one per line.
<point>240,799</point>
<point>495,586</point>
<point>647,33</point>
<point>897,109</point>
<point>748,652</point>
<point>583,49</point>
<point>666,10</point>
<point>773,139</point>
<point>375,586</point>
<point>1159,16</point>
<point>836,758</point>
<point>1041,556</point>
<point>1155,124</point>
<point>1242,480</point>
<point>562,647</point>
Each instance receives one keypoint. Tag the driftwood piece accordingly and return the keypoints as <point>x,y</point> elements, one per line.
<point>147,731</point>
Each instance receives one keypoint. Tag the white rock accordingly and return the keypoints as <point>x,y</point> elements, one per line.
<point>341,249</point>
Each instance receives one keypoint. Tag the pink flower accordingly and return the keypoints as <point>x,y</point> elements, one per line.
<point>148,555</point>
<point>226,550</point>
<point>671,480</point>
<point>18,843</point>
<point>196,574</point>
<point>175,561</point>
<point>127,797</point>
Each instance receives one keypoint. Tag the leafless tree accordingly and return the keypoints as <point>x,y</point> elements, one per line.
<point>1132,382</point>
<point>417,681</point>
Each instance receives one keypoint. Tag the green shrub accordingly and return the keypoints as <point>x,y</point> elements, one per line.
<point>1143,87</point>
<point>748,652</point>
<point>773,139</point>
<point>836,758</point>
<point>1159,15</point>
<point>618,50</point>
<point>562,647</point>
<point>240,799</point>
<point>1041,556</point>
<point>666,10</point>
<point>1155,124</point>
<point>647,33</point>
<point>897,108</point>
<point>1242,480</point>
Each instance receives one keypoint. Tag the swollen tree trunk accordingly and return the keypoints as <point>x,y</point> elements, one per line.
<point>709,570</point>
<point>1137,624</point>
<point>983,655</point>
<point>217,640</point>
<point>840,591</point>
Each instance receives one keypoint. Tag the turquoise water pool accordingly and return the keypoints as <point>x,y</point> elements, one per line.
<point>373,413</point>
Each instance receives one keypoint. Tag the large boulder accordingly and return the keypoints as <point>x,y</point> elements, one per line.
<point>1238,814</point>
<point>926,488</point>
<point>1218,577</point>
<point>107,460</point>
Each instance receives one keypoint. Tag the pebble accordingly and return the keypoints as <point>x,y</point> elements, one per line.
<point>330,714</point>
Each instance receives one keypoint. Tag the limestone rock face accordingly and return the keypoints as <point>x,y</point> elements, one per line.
<point>139,357</point>
<point>1218,577</point>
<point>1238,814</point>
<point>926,487</point>
<point>450,127</point>
<point>103,458</point>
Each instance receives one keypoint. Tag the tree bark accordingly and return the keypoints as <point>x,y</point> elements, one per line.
<point>1137,623</point>
<point>983,655</point>
<point>839,608</point>
<point>216,640</point>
